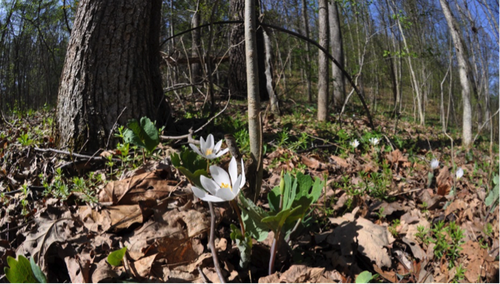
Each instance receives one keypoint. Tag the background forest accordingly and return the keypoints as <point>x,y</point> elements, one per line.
<point>399,52</point>
<point>367,132</point>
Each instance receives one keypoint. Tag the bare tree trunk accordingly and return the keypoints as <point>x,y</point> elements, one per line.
<point>273,97</point>
<point>253,97</point>
<point>463,74</point>
<point>323,73</point>
<point>196,45</point>
<point>337,53</point>
<point>111,68</point>
<point>237,79</point>
<point>305,23</point>
<point>414,80</point>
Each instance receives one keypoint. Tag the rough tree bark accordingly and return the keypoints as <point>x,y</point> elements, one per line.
<point>323,73</point>
<point>111,72</point>
<point>337,53</point>
<point>463,74</point>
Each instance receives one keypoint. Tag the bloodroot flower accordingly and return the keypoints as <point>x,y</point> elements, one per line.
<point>459,173</point>
<point>207,148</point>
<point>374,141</point>
<point>223,186</point>
<point>434,164</point>
<point>354,143</point>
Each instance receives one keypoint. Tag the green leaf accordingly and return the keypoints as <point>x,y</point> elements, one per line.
<point>19,271</point>
<point>190,160</point>
<point>495,179</point>
<point>277,221</point>
<point>492,196</point>
<point>115,258</point>
<point>290,191</point>
<point>364,277</point>
<point>274,197</point>
<point>176,160</point>
<point>317,189</point>
<point>305,183</point>
<point>252,215</point>
<point>143,134</point>
<point>37,271</point>
<point>244,244</point>
<point>193,177</point>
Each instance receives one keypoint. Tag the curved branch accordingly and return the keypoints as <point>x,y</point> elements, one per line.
<point>349,78</point>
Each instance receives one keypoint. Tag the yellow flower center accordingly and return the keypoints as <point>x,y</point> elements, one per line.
<point>226,185</point>
<point>208,152</point>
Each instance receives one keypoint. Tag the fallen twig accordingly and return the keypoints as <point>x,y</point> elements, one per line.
<point>74,154</point>
<point>189,136</point>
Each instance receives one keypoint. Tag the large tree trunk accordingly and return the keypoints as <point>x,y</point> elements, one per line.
<point>463,75</point>
<point>111,72</point>
<point>323,73</point>
<point>337,53</point>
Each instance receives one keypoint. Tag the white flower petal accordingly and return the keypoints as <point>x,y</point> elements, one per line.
<point>201,194</point>
<point>222,152</point>
<point>195,149</point>
<point>219,175</point>
<point>217,146</point>
<point>210,142</point>
<point>202,144</point>
<point>243,177</point>
<point>233,170</point>
<point>237,185</point>
<point>434,164</point>
<point>226,194</point>
<point>211,186</point>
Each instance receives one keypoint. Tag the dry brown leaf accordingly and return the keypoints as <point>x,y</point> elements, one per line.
<point>339,161</point>
<point>103,272</point>
<point>457,204</point>
<point>143,265</point>
<point>373,239</point>
<point>112,218</point>
<point>149,186</point>
<point>443,189</point>
<point>298,274</point>
<point>443,177</point>
<point>370,167</point>
<point>44,234</point>
<point>395,157</point>
<point>78,272</point>
<point>313,163</point>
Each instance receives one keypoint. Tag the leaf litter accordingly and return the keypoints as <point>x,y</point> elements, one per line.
<point>151,211</point>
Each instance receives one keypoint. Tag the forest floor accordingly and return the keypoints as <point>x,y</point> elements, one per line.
<point>384,214</point>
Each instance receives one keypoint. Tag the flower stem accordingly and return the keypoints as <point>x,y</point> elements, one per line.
<point>274,250</point>
<point>238,212</point>
<point>212,244</point>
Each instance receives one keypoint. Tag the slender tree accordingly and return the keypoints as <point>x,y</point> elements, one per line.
<point>323,73</point>
<point>463,71</point>
<point>337,53</point>
<point>253,97</point>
